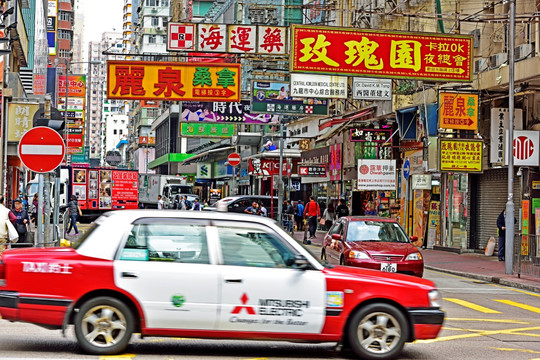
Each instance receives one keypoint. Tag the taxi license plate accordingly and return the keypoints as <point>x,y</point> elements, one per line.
<point>389,267</point>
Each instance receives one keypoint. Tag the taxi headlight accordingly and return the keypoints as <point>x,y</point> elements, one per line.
<point>414,256</point>
<point>358,255</point>
<point>434,298</point>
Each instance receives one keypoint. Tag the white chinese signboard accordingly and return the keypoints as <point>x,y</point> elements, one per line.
<point>376,174</point>
<point>372,89</point>
<point>241,39</point>
<point>421,182</point>
<point>320,86</point>
<point>499,125</point>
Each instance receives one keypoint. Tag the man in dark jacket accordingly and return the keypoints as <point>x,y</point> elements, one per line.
<point>501,225</point>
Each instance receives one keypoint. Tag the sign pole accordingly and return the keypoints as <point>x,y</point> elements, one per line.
<point>509,220</point>
<point>47,209</point>
<point>56,214</point>
<point>280,176</point>
<point>40,212</point>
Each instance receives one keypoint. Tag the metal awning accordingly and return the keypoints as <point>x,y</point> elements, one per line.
<point>274,154</point>
<point>209,155</point>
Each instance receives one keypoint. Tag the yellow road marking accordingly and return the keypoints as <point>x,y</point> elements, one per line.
<point>518,350</point>
<point>527,334</point>
<point>488,320</point>
<point>516,290</point>
<point>478,333</point>
<point>519,305</point>
<point>123,356</point>
<point>470,305</point>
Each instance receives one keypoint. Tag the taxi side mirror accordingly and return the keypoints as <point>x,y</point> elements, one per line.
<point>414,238</point>
<point>336,237</point>
<point>301,262</point>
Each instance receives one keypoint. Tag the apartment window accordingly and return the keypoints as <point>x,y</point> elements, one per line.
<point>115,131</point>
<point>121,131</point>
<point>63,34</point>
<point>152,39</point>
<point>64,16</point>
<point>154,21</point>
<point>63,53</point>
<point>152,2</point>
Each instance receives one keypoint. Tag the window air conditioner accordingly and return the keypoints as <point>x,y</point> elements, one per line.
<point>497,60</point>
<point>523,51</point>
<point>481,65</point>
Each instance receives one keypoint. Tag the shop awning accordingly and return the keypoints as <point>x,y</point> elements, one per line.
<point>406,119</point>
<point>274,154</point>
<point>345,118</point>
<point>209,155</point>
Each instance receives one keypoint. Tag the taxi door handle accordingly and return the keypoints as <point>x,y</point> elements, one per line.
<point>129,275</point>
<point>233,281</point>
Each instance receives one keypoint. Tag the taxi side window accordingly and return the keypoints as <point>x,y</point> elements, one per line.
<point>184,243</point>
<point>253,247</point>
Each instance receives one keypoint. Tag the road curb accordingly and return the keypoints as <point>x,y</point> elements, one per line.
<point>486,278</point>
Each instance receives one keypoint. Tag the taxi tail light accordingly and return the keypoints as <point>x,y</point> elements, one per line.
<point>2,273</point>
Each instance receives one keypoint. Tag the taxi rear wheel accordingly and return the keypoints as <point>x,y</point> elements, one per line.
<point>378,331</point>
<point>104,325</point>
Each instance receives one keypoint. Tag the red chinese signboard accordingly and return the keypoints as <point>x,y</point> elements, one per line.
<point>384,54</point>
<point>140,80</point>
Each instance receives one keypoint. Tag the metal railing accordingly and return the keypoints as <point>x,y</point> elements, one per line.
<point>527,255</point>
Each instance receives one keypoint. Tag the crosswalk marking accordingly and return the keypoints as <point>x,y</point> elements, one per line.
<point>470,305</point>
<point>521,306</point>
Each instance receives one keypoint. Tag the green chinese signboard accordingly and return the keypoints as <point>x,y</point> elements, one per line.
<point>207,130</point>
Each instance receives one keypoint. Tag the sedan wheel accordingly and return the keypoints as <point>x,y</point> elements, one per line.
<point>103,326</point>
<point>378,331</point>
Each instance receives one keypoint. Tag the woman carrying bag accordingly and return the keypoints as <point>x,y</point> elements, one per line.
<point>329,215</point>
<point>74,210</point>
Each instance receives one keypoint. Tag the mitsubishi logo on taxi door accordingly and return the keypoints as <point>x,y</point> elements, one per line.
<point>237,309</point>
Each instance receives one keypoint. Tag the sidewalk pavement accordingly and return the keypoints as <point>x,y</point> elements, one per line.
<point>470,265</point>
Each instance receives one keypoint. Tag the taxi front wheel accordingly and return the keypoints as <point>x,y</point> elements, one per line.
<point>103,326</point>
<point>378,331</point>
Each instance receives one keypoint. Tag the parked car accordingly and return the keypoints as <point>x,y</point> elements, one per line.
<point>210,275</point>
<point>239,203</point>
<point>372,243</point>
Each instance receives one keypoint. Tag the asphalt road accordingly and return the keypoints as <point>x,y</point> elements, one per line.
<point>483,321</point>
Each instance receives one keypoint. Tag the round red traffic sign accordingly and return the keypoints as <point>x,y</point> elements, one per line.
<point>41,149</point>
<point>234,159</point>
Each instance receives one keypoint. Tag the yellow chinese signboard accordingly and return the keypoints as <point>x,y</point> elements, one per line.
<point>458,111</point>
<point>139,80</point>
<point>20,119</point>
<point>461,155</point>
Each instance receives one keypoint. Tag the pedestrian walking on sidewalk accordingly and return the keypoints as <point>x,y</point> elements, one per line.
<point>299,216</point>
<point>501,226</point>
<point>5,216</point>
<point>329,215</point>
<point>22,220</point>
<point>74,211</point>
<point>311,213</point>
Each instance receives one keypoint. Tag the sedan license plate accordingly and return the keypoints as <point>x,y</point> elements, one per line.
<point>389,267</point>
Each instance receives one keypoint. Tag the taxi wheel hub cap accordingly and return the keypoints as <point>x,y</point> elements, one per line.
<point>379,332</point>
<point>104,326</point>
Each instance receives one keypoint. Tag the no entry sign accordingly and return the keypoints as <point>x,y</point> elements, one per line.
<point>41,149</point>
<point>234,159</point>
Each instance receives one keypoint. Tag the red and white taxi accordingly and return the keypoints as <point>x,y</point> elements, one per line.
<point>210,275</point>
